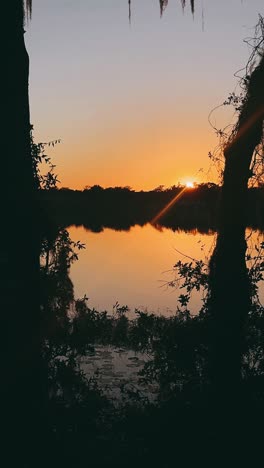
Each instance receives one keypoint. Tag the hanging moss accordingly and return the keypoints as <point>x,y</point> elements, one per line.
<point>27,8</point>
<point>163,5</point>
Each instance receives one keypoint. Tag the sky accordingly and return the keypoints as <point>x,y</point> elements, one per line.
<point>130,103</point>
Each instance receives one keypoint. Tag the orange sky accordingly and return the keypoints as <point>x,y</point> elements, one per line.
<point>155,156</point>
<point>131,103</point>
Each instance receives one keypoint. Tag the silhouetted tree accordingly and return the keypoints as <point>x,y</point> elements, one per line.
<point>229,282</point>
<point>20,318</point>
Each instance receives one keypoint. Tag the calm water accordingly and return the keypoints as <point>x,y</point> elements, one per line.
<point>133,267</point>
<point>116,371</point>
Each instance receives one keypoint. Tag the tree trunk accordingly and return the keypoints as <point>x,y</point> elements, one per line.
<point>229,284</point>
<point>19,256</point>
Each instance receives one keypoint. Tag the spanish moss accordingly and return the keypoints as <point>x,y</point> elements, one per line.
<point>183,2</point>
<point>163,4</point>
<point>28,8</point>
<point>129,10</point>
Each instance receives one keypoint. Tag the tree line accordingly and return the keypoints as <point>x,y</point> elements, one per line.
<point>121,207</point>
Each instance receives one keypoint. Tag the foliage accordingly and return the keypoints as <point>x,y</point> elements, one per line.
<point>49,179</point>
<point>177,346</point>
<point>68,387</point>
<point>190,276</point>
<point>176,366</point>
<point>237,101</point>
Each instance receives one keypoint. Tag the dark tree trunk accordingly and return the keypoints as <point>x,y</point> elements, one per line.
<point>229,283</point>
<point>19,256</point>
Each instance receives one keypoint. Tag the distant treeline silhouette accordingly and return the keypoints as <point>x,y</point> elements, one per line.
<point>120,208</point>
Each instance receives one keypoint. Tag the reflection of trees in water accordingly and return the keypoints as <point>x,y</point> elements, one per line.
<point>210,364</point>
<point>120,208</point>
<point>180,345</point>
<point>179,364</point>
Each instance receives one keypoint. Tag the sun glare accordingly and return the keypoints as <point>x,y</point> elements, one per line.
<point>189,185</point>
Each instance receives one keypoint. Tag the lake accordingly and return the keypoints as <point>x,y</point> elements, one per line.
<point>133,267</point>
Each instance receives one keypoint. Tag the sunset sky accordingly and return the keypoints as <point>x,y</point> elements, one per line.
<point>131,102</point>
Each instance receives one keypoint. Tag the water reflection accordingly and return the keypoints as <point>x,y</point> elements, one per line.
<point>109,351</point>
<point>135,266</point>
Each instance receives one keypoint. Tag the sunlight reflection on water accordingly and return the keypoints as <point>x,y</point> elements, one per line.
<point>134,267</point>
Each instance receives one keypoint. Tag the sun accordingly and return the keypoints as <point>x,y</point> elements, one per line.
<point>189,185</point>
